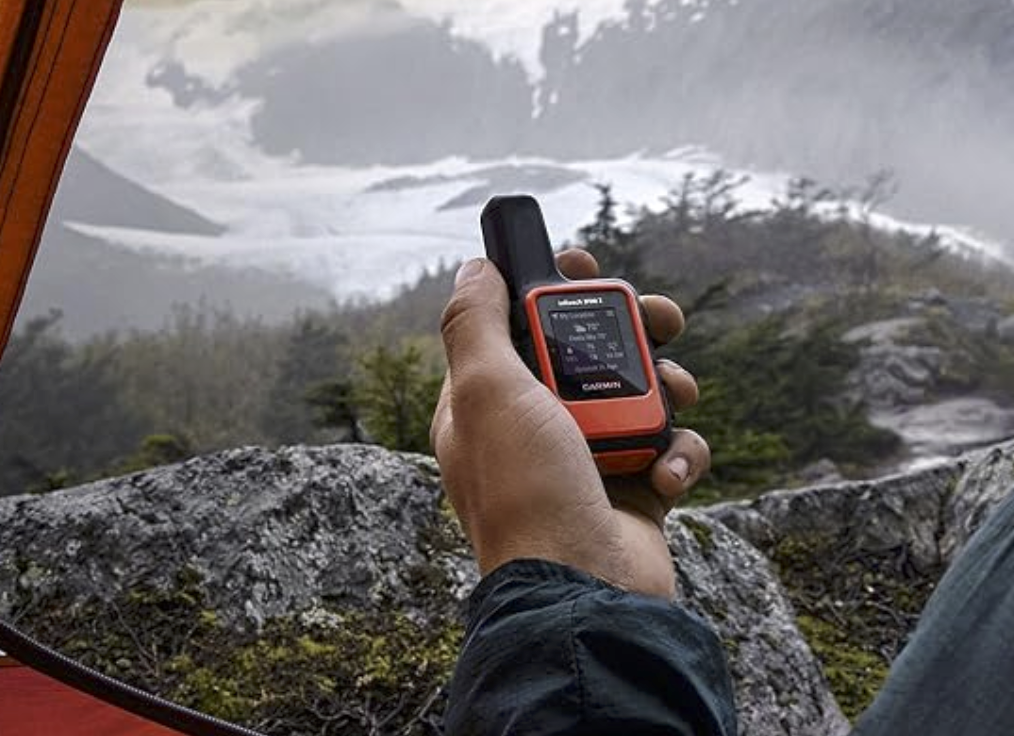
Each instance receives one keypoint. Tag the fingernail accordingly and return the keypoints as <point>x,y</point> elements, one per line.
<point>679,467</point>
<point>469,270</point>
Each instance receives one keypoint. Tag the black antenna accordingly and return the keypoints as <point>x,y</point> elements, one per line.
<point>516,240</point>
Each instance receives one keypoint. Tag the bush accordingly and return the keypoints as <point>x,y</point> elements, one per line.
<point>771,403</point>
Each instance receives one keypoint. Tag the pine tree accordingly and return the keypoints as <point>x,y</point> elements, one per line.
<point>310,358</point>
<point>396,395</point>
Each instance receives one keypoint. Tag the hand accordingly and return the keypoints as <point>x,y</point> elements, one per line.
<point>518,470</point>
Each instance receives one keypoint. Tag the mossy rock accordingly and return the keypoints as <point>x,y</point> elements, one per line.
<point>325,670</point>
<point>856,609</point>
<point>703,534</point>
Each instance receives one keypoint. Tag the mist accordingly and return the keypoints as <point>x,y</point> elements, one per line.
<point>831,89</point>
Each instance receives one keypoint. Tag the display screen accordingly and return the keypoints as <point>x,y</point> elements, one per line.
<point>589,341</point>
<point>592,345</point>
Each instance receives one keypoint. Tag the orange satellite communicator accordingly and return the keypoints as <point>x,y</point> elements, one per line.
<point>585,340</point>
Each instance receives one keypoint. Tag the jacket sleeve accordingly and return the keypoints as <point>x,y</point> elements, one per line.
<point>549,651</point>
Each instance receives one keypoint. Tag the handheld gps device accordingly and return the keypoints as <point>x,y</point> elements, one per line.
<point>585,340</point>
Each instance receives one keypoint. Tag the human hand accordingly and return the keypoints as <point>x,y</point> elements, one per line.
<point>516,467</point>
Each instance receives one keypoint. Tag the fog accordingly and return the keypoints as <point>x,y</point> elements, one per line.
<point>832,89</point>
<point>491,96</point>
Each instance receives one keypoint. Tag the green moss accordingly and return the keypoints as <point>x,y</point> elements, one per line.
<point>731,646</point>
<point>370,664</point>
<point>855,608</point>
<point>702,533</point>
<point>209,692</point>
<point>854,674</point>
<point>333,670</point>
<point>154,450</point>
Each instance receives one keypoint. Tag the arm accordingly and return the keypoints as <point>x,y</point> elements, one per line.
<point>587,640</point>
<point>550,650</point>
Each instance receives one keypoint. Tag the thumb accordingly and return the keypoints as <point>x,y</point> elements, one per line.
<point>476,321</point>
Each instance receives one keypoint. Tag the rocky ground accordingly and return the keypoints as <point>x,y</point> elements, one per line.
<point>929,375</point>
<point>319,589</point>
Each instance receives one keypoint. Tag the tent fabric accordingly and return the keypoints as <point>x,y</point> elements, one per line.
<point>32,704</point>
<point>50,51</point>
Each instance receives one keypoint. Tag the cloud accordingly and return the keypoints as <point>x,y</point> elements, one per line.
<point>213,38</point>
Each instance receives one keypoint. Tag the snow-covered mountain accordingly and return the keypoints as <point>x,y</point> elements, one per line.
<point>352,144</point>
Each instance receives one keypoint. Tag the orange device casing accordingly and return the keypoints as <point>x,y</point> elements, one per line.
<point>625,434</point>
<point>589,346</point>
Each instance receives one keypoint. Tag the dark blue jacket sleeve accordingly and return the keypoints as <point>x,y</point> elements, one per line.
<point>549,651</point>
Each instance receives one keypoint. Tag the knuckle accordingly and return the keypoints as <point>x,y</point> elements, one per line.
<point>474,386</point>
<point>703,451</point>
<point>680,384</point>
<point>457,308</point>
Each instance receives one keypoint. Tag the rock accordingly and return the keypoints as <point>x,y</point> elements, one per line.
<point>890,373</point>
<point>976,315</point>
<point>989,480</point>
<point>321,531</point>
<point>269,532</point>
<point>920,376</point>
<point>887,330</point>
<point>932,296</point>
<point>898,511</point>
<point>863,557</point>
<point>821,472</point>
<point>947,427</point>
<point>780,688</point>
<point>1005,330</point>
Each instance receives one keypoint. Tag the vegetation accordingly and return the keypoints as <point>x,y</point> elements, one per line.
<point>768,295</point>
<point>63,409</point>
<point>392,393</point>
<point>856,609</point>
<point>323,671</point>
<point>771,402</point>
<point>206,381</point>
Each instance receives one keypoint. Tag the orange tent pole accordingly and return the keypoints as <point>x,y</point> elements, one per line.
<point>50,51</point>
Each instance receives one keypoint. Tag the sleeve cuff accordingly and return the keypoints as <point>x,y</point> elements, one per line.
<point>552,650</point>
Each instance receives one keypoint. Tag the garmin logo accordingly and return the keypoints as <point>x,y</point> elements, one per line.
<point>602,386</point>
<point>582,302</point>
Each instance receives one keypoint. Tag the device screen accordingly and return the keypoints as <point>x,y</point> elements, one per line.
<point>589,341</point>
<point>592,346</point>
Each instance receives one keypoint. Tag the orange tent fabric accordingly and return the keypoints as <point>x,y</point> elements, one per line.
<point>50,51</point>
<point>35,705</point>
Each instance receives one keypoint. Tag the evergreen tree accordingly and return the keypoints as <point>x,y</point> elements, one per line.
<point>334,406</point>
<point>63,417</point>
<point>311,356</point>
<point>618,251</point>
<point>396,395</point>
